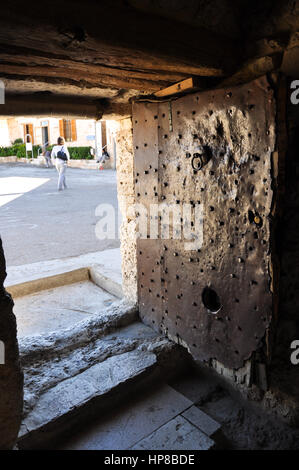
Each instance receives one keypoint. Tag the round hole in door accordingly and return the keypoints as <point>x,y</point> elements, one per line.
<point>211,300</point>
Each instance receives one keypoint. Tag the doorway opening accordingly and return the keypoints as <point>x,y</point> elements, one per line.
<point>45,134</point>
<point>48,233</point>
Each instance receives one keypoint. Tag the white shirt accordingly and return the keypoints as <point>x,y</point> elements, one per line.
<point>57,149</point>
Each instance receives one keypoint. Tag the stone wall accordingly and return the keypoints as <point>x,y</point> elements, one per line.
<point>112,128</point>
<point>126,199</point>
<point>15,130</point>
<point>11,377</point>
<point>4,133</point>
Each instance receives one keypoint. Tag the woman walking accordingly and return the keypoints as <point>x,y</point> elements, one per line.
<point>61,156</point>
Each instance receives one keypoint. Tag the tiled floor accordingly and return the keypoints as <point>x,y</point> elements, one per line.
<point>154,420</point>
<point>177,434</point>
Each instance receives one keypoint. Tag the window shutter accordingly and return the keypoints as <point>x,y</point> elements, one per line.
<point>61,128</point>
<point>28,129</point>
<point>31,132</point>
<point>74,130</point>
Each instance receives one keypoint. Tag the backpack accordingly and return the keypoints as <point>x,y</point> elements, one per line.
<point>62,155</point>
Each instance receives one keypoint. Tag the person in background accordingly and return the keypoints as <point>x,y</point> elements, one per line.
<point>102,159</point>
<point>47,156</point>
<point>60,155</point>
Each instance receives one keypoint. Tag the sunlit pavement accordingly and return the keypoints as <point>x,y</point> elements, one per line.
<point>39,223</point>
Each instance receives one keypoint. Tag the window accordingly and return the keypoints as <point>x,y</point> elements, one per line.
<point>67,129</point>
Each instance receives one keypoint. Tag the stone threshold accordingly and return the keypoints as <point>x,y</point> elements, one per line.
<point>74,375</point>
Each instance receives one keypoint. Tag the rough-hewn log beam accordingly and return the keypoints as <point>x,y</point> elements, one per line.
<point>95,75</point>
<point>253,69</point>
<point>99,33</point>
<point>10,57</point>
<point>47,104</point>
<point>88,78</point>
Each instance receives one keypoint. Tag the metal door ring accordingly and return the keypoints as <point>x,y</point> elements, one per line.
<point>200,162</point>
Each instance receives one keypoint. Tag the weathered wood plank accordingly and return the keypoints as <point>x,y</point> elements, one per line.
<point>185,85</point>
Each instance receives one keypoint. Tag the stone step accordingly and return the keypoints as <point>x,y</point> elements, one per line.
<point>65,391</point>
<point>59,342</point>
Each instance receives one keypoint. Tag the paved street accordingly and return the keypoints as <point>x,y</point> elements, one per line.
<point>39,223</point>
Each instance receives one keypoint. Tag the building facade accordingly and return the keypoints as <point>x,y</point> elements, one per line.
<point>43,131</point>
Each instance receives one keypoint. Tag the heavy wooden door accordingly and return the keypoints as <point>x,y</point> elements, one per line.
<point>214,150</point>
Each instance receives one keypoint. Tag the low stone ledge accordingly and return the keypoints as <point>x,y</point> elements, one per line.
<point>83,164</point>
<point>49,282</point>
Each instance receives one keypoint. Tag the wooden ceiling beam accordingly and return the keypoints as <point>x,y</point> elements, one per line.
<point>44,104</point>
<point>88,79</point>
<point>24,64</point>
<point>99,33</point>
